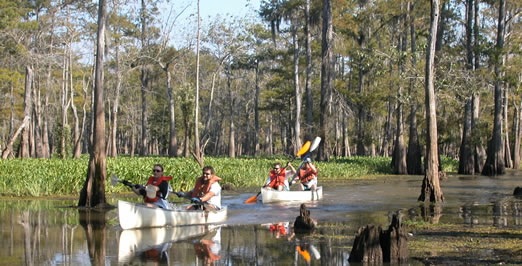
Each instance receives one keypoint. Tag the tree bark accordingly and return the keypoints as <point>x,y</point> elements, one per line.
<point>93,191</point>
<point>431,184</point>
<point>297,91</point>
<point>326,76</point>
<point>495,161</point>
<point>308,79</point>
<point>28,112</point>
<point>414,153</point>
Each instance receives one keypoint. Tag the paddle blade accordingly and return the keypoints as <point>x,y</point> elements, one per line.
<point>304,149</point>
<point>304,253</point>
<point>315,144</point>
<point>252,199</point>
<point>114,180</point>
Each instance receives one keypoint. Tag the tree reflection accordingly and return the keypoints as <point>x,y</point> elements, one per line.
<point>94,224</point>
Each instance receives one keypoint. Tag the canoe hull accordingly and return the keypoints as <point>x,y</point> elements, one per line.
<point>137,215</point>
<point>272,196</point>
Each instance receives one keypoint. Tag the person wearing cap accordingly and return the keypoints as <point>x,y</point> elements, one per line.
<point>156,190</point>
<point>307,175</point>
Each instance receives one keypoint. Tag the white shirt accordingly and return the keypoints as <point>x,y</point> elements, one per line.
<point>216,199</point>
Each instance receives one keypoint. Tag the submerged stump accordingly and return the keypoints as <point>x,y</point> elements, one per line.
<point>517,192</point>
<point>374,245</point>
<point>304,223</point>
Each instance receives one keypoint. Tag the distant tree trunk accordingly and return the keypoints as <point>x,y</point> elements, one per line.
<point>505,118</point>
<point>93,191</point>
<point>8,149</point>
<point>517,134</point>
<point>431,184</point>
<point>113,148</point>
<point>479,153</point>
<point>28,112</point>
<point>466,158</point>
<point>495,162</point>
<point>173,140</point>
<point>399,149</point>
<point>414,153</point>
<point>256,111</point>
<point>144,79</point>
<point>232,130</point>
<point>326,76</point>
<point>297,91</point>
<point>197,150</point>
<point>308,79</point>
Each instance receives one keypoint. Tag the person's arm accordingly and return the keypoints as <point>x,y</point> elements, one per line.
<point>164,189</point>
<point>313,168</point>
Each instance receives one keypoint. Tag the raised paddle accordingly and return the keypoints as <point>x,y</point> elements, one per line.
<point>115,180</point>
<point>313,146</point>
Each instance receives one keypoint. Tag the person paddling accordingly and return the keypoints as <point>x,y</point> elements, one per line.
<point>206,191</point>
<point>156,190</point>
<point>278,177</point>
<point>307,175</point>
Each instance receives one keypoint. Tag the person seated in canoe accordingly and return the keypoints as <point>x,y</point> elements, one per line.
<point>206,192</point>
<point>156,191</point>
<point>307,175</point>
<point>277,177</point>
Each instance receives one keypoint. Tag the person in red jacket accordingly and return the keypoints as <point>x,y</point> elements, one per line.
<point>277,177</point>
<point>307,175</point>
<point>157,189</point>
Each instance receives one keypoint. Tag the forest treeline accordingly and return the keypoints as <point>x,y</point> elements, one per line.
<point>261,81</point>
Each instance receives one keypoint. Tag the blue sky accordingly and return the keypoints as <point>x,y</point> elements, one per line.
<point>240,7</point>
<point>184,26</point>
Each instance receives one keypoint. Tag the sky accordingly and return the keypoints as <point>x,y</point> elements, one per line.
<point>183,12</point>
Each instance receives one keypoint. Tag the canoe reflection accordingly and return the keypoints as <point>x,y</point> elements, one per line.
<point>152,244</point>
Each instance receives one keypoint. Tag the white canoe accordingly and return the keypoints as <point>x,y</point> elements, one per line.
<point>137,215</point>
<point>270,195</point>
<point>135,241</point>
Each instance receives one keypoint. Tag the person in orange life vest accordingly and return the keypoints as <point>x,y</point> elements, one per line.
<point>307,175</point>
<point>277,177</point>
<point>156,191</point>
<point>206,191</point>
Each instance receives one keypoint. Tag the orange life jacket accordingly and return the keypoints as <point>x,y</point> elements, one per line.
<point>305,175</point>
<point>156,182</point>
<point>201,188</point>
<point>277,178</point>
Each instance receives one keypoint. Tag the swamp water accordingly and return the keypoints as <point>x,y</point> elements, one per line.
<point>47,232</point>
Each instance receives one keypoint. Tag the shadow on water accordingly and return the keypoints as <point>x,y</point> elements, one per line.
<point>43,232</point>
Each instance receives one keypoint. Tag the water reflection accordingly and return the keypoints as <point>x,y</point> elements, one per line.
<point>47,232</point>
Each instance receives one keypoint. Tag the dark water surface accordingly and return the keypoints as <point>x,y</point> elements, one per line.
<point>46,232</point>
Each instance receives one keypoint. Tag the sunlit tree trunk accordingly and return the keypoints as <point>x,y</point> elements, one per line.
<point>93,191</point>
<point>431,184</point>
<point>308,78</point>
<point>297,90</point>
<point>28,111</point>
<point>197,149</point>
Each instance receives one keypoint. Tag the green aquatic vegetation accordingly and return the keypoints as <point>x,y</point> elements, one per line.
<point>65,177</point>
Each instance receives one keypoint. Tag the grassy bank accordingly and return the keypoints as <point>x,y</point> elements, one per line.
<point>65,177</point>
